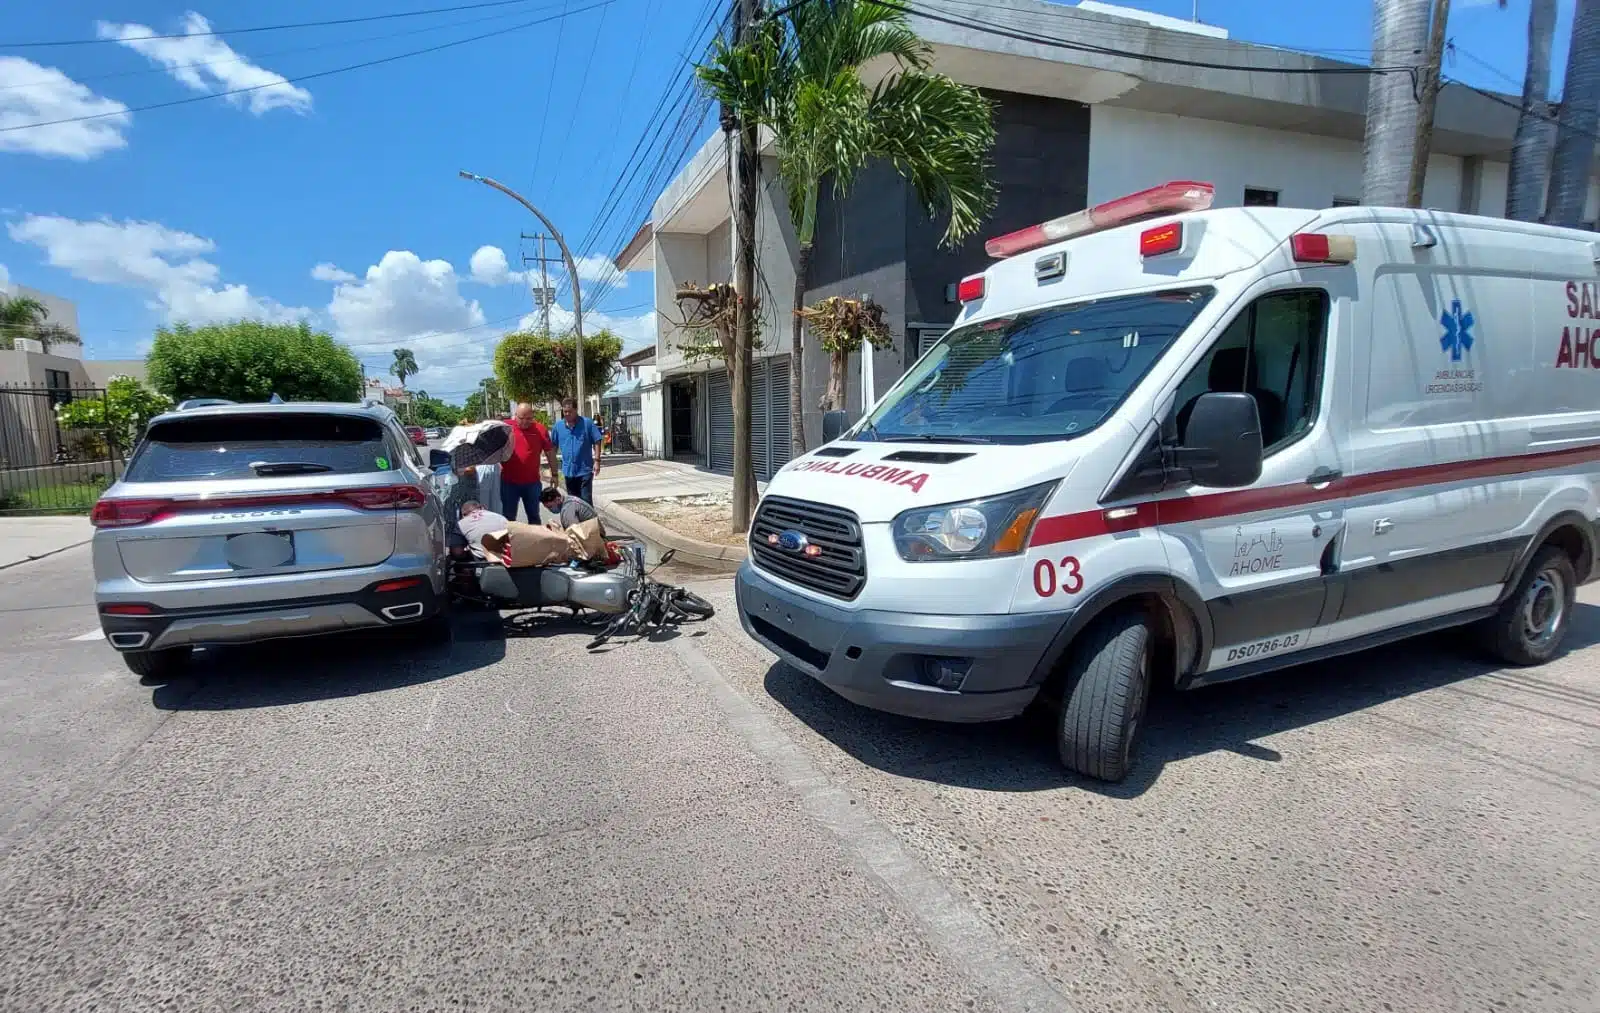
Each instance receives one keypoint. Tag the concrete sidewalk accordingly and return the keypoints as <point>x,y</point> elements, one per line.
<point>28,538</point>
<point>650,479</point>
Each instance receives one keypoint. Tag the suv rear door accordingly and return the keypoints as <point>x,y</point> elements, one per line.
<point>257,494</point>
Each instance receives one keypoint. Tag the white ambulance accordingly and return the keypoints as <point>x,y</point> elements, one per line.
<point>1164,442</point>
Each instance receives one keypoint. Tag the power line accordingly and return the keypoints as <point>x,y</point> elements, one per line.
<point>583,83</point>
<point>336,44</point>
<point>309,77</point>
<point>544,118</point>
<point>272,28</point>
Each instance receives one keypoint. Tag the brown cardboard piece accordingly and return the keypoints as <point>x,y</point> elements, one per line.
<point>587,540</point>
<point>527,545</point>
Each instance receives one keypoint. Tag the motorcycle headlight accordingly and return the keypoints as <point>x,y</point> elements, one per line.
<point>977,529</point>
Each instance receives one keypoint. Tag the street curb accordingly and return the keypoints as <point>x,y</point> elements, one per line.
<point>690,550</point>
<point>44,555</point>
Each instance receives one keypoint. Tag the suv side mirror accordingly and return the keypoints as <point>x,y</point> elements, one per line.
<point>438,459</point>
<point>833,425</point>
<point>1222,445</point>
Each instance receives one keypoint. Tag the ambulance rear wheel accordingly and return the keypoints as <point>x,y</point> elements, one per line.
<point>1533,621</point>
<point>1106,685</point>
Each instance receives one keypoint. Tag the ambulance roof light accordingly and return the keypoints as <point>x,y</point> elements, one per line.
<point>1168,198</point>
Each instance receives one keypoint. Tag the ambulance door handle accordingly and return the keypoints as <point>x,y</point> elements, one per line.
<point>1383,526</point>
<point>1323,476</point>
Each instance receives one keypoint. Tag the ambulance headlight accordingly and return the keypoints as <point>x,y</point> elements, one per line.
<point>977,529</point>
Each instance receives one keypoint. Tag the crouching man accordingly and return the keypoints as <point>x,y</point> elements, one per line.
<point>569,511</point>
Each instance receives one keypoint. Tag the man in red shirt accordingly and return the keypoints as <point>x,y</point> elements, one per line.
<point>519,476</point>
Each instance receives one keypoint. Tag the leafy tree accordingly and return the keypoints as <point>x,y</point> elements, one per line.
<point>404,365</point>
<point>536,367</point>
<point>843,326</point>
<point>22,317</point>
<point>430,411</point>
<point>800,78</point>
<point>250,360</point>
<point>486,402</point>
<point>121,415</point>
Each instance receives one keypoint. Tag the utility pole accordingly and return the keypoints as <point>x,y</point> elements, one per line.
<point>1429,100</point>
<point>544,296</point>
<point>566,254</point>
<point>1399,36</point>
<point>746,14</point>
<point>1530,148</point>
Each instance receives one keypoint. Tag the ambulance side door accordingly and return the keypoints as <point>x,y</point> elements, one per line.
<point>1261,556</point>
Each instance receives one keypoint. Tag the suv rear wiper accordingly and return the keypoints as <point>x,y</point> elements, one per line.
<point>931,438</point>
<point>288,467</point>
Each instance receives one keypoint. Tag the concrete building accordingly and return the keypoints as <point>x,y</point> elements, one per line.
<point>1092,102</point>
<point>635,398</point>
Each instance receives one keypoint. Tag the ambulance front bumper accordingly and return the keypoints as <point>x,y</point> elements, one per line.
<point>959,668</point>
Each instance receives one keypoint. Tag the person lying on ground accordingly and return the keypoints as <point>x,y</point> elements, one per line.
<point>476,521</point>
<point>569,510</point>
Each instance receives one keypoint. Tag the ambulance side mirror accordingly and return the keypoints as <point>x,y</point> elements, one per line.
<point>1222,444</point>
<point>833,425</point>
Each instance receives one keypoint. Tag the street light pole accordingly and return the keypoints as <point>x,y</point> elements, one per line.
<point>572,270</point>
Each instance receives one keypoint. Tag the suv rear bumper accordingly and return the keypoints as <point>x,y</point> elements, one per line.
<point>879,659</point>
<point>367,608</point>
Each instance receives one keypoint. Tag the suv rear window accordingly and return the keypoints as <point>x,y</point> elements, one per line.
<point>231,446</point>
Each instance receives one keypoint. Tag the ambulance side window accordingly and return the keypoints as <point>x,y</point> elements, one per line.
<point>1273,350</point>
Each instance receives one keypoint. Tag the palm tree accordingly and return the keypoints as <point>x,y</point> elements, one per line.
<point>1530,150</point>
<point>19,318</point>
<point>1580,114</point>
<point>404,365</point>
<point>799,77</point>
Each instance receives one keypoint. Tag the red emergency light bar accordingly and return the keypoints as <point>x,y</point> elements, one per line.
<point>1168,198</point>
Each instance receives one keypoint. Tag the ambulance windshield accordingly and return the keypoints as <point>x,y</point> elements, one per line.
<point>1041,375</point>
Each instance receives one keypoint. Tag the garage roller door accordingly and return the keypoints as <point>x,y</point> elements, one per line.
<point>776,372</point>
<point>721,422</point>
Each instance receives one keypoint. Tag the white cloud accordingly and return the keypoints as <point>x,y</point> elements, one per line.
<point>489,267</point>
<point>636,332</point>
<point>403,298</point>
<point>597,268</point>
<point>205,63</point>
<point>331,272</point>
<point>30,94</point>
<point>165,263</point>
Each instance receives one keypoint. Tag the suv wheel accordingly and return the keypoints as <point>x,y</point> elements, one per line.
<point>158,666</point>
<point>1533,621</point>
<point>1107,684</point>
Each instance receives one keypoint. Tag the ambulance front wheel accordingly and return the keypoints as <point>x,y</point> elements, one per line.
<point>1105,687</point>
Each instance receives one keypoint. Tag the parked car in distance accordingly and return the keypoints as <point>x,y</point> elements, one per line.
<point>242,523</point>
<point>436,433</point>
<point>418,437</point>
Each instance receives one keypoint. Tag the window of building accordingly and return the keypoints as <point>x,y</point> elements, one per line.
<point>59,383</point>
<point>1255,197</point>
<point>1273,351</point>
<point>1345,202</point>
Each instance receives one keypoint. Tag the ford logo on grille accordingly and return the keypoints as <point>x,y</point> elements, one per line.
<point>793,541</point>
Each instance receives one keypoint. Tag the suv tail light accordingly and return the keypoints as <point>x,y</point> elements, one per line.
<point>124,513</point>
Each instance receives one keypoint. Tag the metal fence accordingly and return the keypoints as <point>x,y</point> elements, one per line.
<point>44,467</point>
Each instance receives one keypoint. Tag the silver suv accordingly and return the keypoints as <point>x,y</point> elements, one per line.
<point>240,523</point>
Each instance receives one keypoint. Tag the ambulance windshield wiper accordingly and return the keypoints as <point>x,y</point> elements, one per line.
<point>935,438</point>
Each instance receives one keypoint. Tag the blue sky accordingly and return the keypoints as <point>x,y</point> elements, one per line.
<point>336,198</point>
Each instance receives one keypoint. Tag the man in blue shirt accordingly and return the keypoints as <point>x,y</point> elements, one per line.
<point>579,441</point>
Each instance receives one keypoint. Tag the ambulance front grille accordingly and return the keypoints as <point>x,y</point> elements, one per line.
<point>838,570</point>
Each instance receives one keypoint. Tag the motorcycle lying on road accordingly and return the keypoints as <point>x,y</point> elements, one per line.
<point>624,592</point>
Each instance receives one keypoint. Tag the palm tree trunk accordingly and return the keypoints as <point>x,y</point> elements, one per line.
<point>1530,150</point>
<point>1399,36</point>
<point>1573,161</point>
<point>802,282</point>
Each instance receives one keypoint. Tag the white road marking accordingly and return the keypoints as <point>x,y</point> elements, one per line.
<point>91,635</point>
<point>513,713</point>
<point>433,708</point>
<point>952,924</point>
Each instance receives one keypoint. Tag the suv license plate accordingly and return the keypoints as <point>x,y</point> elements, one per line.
<point>260,550</point>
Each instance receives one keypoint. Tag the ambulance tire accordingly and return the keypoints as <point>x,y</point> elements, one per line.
<point>1107,683</point>
<point>1533,620</point>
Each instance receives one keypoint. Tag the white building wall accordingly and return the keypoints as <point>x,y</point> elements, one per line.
<point>652,409</point>
<point>60,311</point>
<point>1130,150</point>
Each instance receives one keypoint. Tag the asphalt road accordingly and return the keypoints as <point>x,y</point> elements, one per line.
<point>511,823</point>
